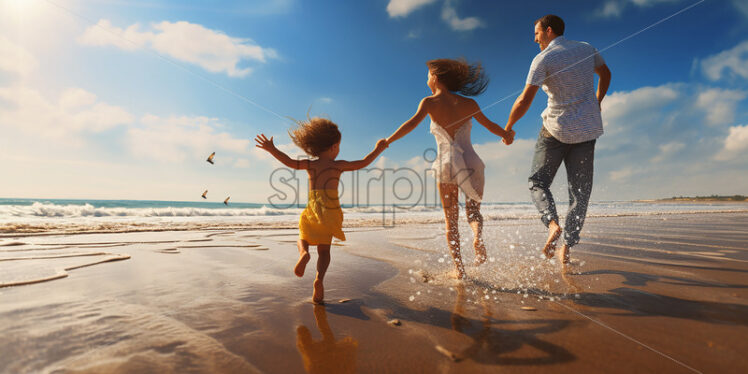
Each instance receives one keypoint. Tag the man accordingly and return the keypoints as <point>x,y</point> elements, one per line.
<point>571,124</point>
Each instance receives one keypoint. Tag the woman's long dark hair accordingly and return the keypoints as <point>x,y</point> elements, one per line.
<point>459,75</point>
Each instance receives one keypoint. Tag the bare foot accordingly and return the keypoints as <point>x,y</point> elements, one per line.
<point>319,292</point>
<point>480,251</point>
<point>565,254</point>
<point>554,231</point>
<point>301,264</point>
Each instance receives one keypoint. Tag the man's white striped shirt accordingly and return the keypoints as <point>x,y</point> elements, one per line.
<point>566,72</point>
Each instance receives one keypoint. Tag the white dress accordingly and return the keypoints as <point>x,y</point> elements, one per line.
<point>456,161</point>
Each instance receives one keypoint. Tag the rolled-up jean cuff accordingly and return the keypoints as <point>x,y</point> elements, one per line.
<point>548,217</point>
<point>570,241</point>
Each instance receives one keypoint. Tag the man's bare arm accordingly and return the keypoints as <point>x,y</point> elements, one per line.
<point>602,85</point>
<point>521,105</point>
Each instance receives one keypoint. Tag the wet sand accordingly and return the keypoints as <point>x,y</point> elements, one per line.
<point>664,294</point>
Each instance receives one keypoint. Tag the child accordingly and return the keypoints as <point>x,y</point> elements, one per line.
<point>322,219</point>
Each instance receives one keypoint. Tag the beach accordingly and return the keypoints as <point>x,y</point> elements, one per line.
<point>644,293</point>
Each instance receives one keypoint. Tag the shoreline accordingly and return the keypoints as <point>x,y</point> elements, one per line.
<point>15,230</point>
<point>694,201</point>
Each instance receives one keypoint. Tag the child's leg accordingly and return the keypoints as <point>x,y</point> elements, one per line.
<point>323,250</point>
<point>449,198</point>
<point>475,219</point>
<point>303,258</point>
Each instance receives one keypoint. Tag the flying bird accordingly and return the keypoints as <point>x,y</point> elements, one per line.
<point>205,193</point>
<point>226,202</point>
<point>210,158</point>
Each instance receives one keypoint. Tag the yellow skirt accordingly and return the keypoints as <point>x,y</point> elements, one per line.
<point>322,219</point>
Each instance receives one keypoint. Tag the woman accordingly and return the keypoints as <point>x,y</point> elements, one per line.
<point>457,166</point>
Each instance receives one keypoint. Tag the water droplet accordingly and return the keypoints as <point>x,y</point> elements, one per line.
<point>441,260</point>
<point>411,298</point>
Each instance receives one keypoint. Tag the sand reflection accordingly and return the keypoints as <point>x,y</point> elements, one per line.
<point>502,341</point>
<point>326,355</point>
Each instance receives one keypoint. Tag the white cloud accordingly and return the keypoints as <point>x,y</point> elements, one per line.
<point>175,139</point>
<point>619,107</point>
<point>104,34</point>
<point>741,6</point>
<point>735,144</point>
<point>75,111</point>
<point>242,163</point>
<point>731,63</point>
<point>652,2</point>
<point>383,162</point>
<point>212,50</point>
<point>621,174</point>
<point>667,150</point>
<point>611,9</point>
<point>16,59</point>
<point>507,169</point>
<point>614,8</point>
<point>449,15</point>
<point>658,143</point>
<point>401,8</point>
<point>719,104</point>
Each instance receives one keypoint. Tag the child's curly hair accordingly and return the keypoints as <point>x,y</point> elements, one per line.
<point>459,75</point>
<point>315,135</point>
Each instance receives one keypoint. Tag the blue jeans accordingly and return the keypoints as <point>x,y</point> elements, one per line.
<point>579,161</point>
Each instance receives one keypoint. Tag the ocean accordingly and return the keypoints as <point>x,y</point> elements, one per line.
<point>36,215</point>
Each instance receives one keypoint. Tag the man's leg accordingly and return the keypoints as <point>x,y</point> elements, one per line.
<point>549,153</point>
<point>579,161</point>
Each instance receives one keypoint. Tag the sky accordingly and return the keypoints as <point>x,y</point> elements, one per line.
<point>110,99</point>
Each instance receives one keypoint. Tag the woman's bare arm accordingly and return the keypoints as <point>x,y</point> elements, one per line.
<point>487,123</point>
<point>412,123</point>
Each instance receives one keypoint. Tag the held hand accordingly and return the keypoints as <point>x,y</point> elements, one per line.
<point>509,138</point>
<point>264,143</point>
<point>381,144</point>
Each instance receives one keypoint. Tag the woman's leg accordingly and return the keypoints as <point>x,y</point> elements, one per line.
<point>475,219</point>
<point>448,193</point>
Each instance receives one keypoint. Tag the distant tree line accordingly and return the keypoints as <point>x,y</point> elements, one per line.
<point>711,198</point>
